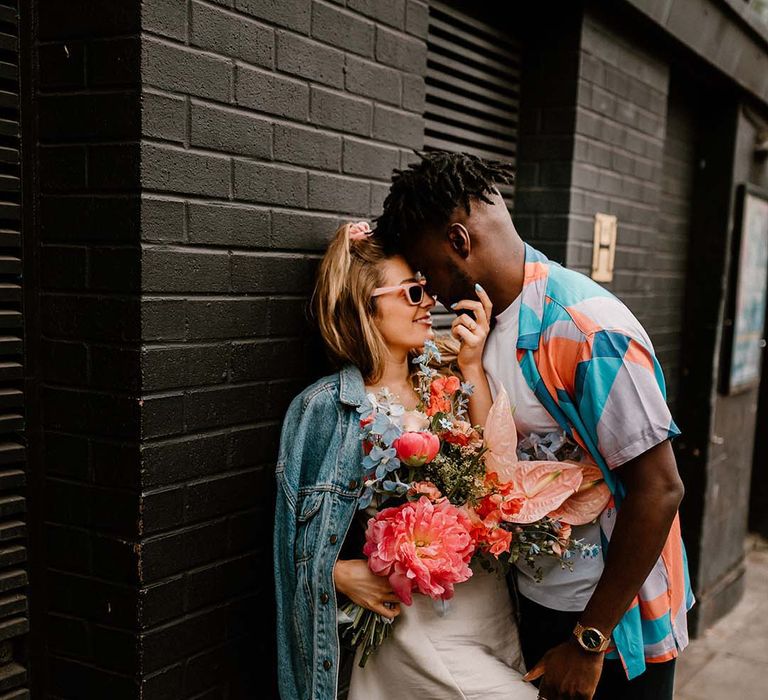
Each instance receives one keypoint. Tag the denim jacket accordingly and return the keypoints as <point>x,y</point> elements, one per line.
<point>319,474</point>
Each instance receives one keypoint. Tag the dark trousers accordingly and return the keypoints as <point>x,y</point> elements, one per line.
<point>543,628</point>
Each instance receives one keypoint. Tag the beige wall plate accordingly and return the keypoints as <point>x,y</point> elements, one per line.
<point>604,250</point>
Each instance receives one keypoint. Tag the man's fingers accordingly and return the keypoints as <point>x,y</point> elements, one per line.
<point>536,672</point>
<point>482,295</point>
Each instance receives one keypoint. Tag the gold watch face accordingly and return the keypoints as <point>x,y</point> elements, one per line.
<point>591,638</point>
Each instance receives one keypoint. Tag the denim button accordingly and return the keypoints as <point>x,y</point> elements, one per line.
<point>324,598</point>
<point>353,484</point>
<point>333,539</point>
<point>327,665</point>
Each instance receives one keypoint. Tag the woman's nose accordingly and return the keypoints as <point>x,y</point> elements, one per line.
<point>429,301</point>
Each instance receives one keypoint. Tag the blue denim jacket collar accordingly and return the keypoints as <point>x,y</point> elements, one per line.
<point>351,386</point>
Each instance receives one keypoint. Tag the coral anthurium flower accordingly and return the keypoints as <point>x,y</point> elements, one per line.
<point>421,545</point>
<point>500,436</point>
<point>416,449</point>
<point>544,486</point>
<point>541,486</point>
<point>588,502</point>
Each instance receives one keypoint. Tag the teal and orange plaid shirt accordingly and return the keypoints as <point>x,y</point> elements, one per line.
<point>592,366</point>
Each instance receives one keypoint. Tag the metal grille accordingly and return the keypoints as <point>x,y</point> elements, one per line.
<point>14,622</point>
<point>473,86</point>
<point>473,92</point>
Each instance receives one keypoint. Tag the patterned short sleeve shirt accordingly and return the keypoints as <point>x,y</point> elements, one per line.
<point>592,365</point>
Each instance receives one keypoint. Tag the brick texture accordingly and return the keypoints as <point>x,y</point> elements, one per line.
<point>194,159</point>
<point>265,124</point>
<point>596,137</point>
<point>83,347</point>
<point>634,157</point>
<point>546,133</point>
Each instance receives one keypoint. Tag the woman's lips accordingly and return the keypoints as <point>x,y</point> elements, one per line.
<point>426,320</point>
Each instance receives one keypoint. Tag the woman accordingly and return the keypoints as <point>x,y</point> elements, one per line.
<point>372,312</point>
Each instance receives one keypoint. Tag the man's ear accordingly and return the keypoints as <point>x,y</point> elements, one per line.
<point>459,240</point>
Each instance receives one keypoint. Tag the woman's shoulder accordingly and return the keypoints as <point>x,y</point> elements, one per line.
<point>323,391</point>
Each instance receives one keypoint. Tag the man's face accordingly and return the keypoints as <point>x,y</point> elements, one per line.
<point>446,273</point>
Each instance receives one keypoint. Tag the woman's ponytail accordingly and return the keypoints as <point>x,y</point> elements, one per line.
<point>342,301</point>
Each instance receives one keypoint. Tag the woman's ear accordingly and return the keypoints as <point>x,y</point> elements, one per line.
<point>458,239</point>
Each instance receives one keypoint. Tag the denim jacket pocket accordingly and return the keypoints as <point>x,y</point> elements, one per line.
<point>307,524</point>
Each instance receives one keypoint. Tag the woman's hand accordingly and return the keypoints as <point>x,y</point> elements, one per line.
<point>354,579</point>
<point>472,333</point>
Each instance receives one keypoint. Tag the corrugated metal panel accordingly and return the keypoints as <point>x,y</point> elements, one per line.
<point>473,92</point>
<point>14,622</point>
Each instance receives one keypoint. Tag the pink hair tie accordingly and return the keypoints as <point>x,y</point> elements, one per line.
<point>359,231</point>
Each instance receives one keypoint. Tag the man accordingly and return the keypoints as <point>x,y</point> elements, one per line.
<point>572,357</point>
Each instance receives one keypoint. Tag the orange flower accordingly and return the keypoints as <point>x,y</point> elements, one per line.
<point>425,488</point>
<point>462,433</point>
<point>440,392</point>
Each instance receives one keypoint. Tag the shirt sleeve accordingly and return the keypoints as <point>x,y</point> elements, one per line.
<point>620,394</point>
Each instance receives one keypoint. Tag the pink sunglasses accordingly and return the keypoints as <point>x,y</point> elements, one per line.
<point>414,291</point>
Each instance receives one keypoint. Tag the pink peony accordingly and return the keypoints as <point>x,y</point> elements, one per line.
<point>421,545</point>
<point>416,449</point>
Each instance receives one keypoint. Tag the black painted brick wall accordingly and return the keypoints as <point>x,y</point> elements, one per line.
<point>546,133</point>
<point>84,349</point>
<point>264,125</point>
<point>592,139</point>
<point>627,162</point>
<point>193,159</point>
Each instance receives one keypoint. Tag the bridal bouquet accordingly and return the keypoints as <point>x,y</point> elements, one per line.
<point>443,493</point>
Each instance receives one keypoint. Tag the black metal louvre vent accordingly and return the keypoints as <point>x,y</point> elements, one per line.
<point>14,622</point>
<point>473,93</point>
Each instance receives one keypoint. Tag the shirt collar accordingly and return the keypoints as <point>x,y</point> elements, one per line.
<point>535,278</point>
<point>351,386</point>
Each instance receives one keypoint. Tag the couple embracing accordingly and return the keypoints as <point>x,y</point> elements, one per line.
<point>573,359</point>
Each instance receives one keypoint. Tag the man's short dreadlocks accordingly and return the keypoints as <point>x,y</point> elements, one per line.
<point>426,193</point>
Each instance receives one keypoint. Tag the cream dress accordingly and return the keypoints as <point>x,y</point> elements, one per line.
<point>471,651</point>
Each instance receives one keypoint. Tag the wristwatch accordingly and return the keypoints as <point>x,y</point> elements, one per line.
<point>591,639</point>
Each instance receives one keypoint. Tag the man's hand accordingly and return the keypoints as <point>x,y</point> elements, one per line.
<point>569,673</point>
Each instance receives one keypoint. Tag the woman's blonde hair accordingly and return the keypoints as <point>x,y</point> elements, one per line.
<point>343,305</point>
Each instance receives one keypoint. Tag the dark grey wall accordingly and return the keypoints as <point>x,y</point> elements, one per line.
<point>263,126</point>
<point>734,434</point>
<point>194,159</point>
<point>617,118</point>
<point>81,231</point>
<point>550,66</point>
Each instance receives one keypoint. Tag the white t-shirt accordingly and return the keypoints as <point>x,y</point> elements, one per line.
<point>559,589</point>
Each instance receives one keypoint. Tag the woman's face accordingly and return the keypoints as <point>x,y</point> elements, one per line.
<point>402,324</point>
